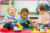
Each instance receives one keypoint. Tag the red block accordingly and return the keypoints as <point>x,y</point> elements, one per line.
<point>0,30</point>
<point>11,30</point>
<point>33,22</point>
<point>4,30</point>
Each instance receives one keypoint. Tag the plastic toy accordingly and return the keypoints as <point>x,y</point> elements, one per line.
<point>1,26</point>
<point>18,27</point>
<point>35,30</point>
<point>48,30</point>
<point>4,30</point>
<point>11,30</point>
<point>37,27</point>
<point>33,22</point>
<point>41,30</point>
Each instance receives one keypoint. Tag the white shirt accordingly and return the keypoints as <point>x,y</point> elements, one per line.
<point>43,19</point>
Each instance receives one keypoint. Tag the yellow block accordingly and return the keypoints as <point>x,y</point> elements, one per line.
<point>48,30</point>
<point>19,28</point>
<point>1,26</point>
<point>19,25</point>
<point>35,30</point>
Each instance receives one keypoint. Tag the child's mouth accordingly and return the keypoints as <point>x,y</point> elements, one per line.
<point>11,12</point>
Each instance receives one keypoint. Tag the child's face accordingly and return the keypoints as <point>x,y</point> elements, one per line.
<point>38,9</point>
<point>24,15</point>
<point>12,11</point>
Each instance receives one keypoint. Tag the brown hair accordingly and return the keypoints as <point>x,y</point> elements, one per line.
<point>24,10</point>
<point>42,7</point>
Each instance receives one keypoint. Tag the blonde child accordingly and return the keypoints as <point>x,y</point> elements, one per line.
<point>9,18</point>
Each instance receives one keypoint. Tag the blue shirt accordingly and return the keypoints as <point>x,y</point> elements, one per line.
<point>20,20</point>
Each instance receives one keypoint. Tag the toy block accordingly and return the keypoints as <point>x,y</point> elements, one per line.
<point>19,25</point>
<point>1,26</point>
<point>4,30</point>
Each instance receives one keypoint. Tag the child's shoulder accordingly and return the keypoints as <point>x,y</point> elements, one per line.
<point>18,17</point>
<point>7,15</point>
<point>46,14</point>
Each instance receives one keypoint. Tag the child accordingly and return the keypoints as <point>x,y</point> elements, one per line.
<point>23,19</point>
<point>10,18</point>
<point>43,16</point>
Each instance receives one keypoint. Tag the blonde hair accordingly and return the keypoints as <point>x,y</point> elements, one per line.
<point>10,8</point>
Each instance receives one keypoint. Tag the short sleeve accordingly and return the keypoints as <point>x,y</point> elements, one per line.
<point>28,18</point>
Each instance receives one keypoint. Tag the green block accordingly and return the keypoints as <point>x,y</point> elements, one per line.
<point>29,28</point>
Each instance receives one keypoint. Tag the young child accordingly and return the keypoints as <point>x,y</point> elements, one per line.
<point>23,19</point>
<point>10,18</point>
<point>43,15</point>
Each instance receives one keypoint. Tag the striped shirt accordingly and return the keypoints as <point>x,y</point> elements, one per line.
<point>11,18</point>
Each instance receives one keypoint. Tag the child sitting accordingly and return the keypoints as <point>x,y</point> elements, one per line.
<point>43,15</point>
<point>23,19</point>
<point>10,18</point>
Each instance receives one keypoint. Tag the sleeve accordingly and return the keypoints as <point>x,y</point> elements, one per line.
<point>37,21</point>
<point>5,18</point>
<point>17,19</point>
<point>28,18</point>
<point>47,20</point>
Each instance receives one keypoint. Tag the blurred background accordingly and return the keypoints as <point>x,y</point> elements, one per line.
<point>31,5</point>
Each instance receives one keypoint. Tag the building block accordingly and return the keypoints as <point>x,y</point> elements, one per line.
<point>4,30</point>
<point>35,30</point>
<point>1,26</point>
<point>11,30</point>
<point>19,25</point>
<point>48,30</point>
<point>17,29</point>
<point>37,27</point>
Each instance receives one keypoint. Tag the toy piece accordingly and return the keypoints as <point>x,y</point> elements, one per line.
<point>11,30</point>
<point>19,25</point>
<point>4,30</point>
<point>33,22</point>
<point>35,30</point>
<point>1,26</point>
<point>17,29</point>
<point>48,30</point>
<point>37,27</point>
<point>45,29</point>
<point>41,30</point>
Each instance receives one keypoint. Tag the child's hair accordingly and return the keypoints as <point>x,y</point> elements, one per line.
<point>42,7</point>
<point>24,10</point>
<point>10,8</point>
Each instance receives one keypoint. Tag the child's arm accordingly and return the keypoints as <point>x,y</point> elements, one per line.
<point>6,20</point>
<point>31,23</point>
<point>28,19</point>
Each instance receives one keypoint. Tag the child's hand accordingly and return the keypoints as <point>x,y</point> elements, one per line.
<point>26,23</point>
<point>7,21</point>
